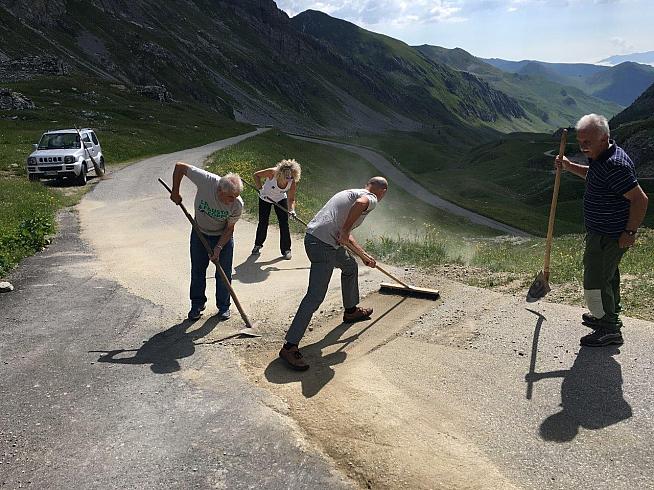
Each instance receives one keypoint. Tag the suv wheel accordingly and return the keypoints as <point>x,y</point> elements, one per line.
<point>81,178</point>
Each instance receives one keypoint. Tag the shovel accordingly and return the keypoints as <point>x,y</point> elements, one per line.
<point>540,287</point>
<point>249,330</point>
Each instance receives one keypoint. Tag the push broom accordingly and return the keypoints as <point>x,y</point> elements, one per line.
<point>249,330</point>
<point>540,287</point>
<point>403,288</point>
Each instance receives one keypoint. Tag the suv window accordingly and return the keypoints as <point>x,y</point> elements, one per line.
<point>59,141</point>
<point>95,139</point>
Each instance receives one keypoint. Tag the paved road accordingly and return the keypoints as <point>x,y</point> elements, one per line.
<point>101,388</point>
<point>425,395</point>
<point>399,178</point>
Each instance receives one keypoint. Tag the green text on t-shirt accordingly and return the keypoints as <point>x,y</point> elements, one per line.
<point>214,213</point>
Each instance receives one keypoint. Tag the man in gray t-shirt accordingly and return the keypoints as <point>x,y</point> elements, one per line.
<point>218,206</point>
<point>327,235</point>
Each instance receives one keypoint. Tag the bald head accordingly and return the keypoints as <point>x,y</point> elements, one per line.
<point>378,186</point>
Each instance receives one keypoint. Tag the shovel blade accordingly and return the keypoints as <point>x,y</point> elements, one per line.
<point>539,288</point>
<point>249,331</point>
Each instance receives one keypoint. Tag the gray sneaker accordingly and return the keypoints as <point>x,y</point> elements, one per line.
<point>287,255</point>
<point>224,315</point>
<point>257,250</point>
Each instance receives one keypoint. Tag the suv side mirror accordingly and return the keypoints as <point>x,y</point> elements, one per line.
<point>35,146</point>
<point>88,144</point>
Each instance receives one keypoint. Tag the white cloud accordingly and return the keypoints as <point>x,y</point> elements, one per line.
<point>371,12</point>
<point>622,45</point>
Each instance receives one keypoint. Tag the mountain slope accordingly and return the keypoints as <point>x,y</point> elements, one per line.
<point>646,58</point>
<point>247,58</point>
<point>633,128</point>
<point>620,84</point>
<point>419,82</point>
<point>548,101</point>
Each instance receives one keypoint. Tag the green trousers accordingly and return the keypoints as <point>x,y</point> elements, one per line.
<point>602,279</point>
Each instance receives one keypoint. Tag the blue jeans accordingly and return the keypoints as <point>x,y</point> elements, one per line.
<point>199,264</point>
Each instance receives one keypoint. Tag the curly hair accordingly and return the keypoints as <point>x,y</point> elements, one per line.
<point>291,165</point>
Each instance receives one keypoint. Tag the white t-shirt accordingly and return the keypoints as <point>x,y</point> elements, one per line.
<point>330,219</point>
<point>211,214</point>
<point>270,190</point>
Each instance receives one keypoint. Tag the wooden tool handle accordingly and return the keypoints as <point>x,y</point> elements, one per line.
<point>276,204</point>
<point>207,247</point>
<point>555,199</point>
<point>378,267</point>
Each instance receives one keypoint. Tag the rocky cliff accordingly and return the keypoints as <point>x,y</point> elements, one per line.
<point>248,58</point>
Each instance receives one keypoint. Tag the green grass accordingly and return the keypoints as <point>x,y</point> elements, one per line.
<point>325,171</point>
<point>512,265</point>
<point>404,232</point>
<point>507,178</point>
<point>128,126</point>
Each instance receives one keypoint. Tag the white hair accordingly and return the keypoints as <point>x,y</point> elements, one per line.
<point>596,121</point>
<point>230,183</point>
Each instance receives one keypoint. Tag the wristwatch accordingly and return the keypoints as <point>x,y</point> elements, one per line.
<point>631,232</point>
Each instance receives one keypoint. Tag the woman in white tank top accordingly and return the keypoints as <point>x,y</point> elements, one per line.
<point>276,185</point>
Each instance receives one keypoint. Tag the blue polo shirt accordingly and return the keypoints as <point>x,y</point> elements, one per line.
<point>610,176</point>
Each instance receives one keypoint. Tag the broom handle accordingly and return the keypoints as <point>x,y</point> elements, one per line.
<point>378,267</point>
<point>555,199</point>
<point>275,203</point>
<point>209,252</point>
<point>351,249</point>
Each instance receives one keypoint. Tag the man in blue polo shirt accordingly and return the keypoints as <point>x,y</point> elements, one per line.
<point>614,208</point>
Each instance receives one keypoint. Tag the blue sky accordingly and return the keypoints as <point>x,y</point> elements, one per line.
<point>546,30</point>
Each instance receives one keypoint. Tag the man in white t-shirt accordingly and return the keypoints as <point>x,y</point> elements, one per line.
<point>327,234</point>
<point>218,206</point>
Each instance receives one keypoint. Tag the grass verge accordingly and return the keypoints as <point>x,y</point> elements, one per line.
<point>327,170</point>
<point>129,127</point>
<point>508,178</point>
<point>510,265</point>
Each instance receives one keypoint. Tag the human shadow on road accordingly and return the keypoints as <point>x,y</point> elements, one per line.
<point>591,395</point>
<point>321,371</point>
<point>252,271</point>
<point>164,349</point>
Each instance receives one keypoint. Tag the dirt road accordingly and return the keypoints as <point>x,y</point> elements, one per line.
<point>426,394</point>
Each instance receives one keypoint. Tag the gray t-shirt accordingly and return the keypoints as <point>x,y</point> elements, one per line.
<point>211,214</point>
<point>329,220</point>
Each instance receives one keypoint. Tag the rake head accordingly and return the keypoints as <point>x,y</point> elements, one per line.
<point>539,288</point>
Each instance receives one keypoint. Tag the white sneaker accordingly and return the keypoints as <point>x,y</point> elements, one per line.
<point>224,315</point>
<point>257,250</point>
<point>287,255</point>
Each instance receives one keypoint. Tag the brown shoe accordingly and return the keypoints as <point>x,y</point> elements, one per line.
<point>357,315</point>
<point>293,358</point>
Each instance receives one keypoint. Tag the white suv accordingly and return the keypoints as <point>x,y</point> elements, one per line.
<point>60,154</point>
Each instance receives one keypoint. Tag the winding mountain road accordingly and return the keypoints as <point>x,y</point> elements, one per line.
<point>399,178</point>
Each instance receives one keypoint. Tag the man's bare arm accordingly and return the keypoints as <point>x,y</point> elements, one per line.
<point>574,168</point>
<point>178,174</point>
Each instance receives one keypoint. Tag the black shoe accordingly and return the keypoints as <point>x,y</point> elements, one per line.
<point>591,321</point>
<point>196,312</point>
<point>601,338</point>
